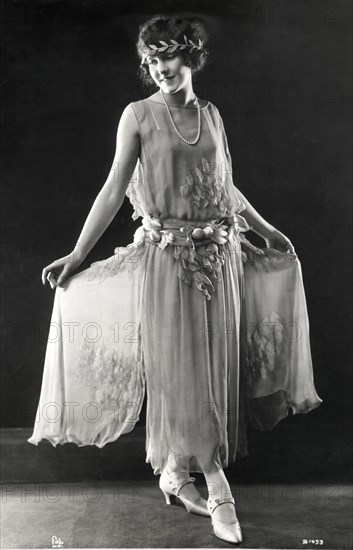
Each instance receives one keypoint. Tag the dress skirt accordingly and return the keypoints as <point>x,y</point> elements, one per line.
<point>212,353</point>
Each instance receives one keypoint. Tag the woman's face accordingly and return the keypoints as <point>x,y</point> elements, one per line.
<point>169,71</point>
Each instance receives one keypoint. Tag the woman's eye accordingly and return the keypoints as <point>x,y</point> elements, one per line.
<point>167,56</point>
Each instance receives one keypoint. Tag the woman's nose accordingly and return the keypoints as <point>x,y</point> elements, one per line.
<point>161,66</point>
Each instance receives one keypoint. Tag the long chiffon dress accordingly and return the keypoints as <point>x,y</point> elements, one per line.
<point>214,329</point>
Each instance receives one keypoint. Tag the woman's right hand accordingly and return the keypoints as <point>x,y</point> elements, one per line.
<point>58,271</point>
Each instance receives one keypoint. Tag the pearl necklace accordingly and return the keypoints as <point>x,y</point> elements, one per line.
<point>176,129</point>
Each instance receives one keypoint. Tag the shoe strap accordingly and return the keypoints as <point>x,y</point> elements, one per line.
<point>214,503</point>
<point>176,484</point>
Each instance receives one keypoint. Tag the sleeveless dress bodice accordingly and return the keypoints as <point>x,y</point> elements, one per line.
<point>176,180</point>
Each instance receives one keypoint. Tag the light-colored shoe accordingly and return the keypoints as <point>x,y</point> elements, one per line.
<point>171,486</point>
<point>230,532</point>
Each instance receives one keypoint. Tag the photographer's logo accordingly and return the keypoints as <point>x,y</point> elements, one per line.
<point>57,542</point>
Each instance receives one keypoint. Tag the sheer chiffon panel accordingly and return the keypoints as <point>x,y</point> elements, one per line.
<point>277,348</point>
<point>93,381</point>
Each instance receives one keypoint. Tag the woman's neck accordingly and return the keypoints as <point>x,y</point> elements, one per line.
<point>180,98</point>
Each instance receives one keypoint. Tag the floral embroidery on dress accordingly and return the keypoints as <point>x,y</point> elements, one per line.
<point>196,264</point>
<point>204,186</point>
<point>111,375</point>
<point>128,256</point>
<point>266,349</point>
<point>265,257</point>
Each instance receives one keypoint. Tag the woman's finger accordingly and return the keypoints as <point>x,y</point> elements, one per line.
<point>51,279</point>
<point>45,272</point>
<point>63,276</point>
<point>44,275</point>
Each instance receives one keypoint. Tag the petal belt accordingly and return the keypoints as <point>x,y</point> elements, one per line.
<point>172,231</point>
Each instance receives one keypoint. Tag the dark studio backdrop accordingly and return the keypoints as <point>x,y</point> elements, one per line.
<point>280,74</point>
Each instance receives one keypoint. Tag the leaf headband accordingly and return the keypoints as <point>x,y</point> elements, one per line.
<point>174,45</point>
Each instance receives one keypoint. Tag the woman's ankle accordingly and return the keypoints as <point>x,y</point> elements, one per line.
<point>177,471</point>
<point>217,485</point>
<point>178,466</point>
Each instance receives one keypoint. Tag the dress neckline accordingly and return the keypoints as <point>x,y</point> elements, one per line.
<point>179,106</point>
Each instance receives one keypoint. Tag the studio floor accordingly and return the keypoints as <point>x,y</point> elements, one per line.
<point>135,515</point>
<point>292,492</point>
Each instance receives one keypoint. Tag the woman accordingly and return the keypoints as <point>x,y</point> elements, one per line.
<point>182,309</point>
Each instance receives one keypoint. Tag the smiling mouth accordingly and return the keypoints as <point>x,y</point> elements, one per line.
<point>167,78</point>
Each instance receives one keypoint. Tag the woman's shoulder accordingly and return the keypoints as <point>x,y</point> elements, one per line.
<point>205,103</point>
<point>214,107</point>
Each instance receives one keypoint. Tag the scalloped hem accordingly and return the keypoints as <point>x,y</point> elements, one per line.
<point>306,406</point>
<point>60,440</point>
<point>265,412</point>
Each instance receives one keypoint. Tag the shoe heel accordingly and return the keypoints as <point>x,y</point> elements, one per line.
<point>168,497</point>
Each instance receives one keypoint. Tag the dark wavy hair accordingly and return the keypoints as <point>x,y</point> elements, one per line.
<point>165,27</point>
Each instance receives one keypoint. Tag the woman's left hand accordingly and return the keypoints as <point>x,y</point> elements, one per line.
<point>279,241</point>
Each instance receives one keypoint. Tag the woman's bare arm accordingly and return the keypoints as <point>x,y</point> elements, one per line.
<point>255,220</point>
<point>272,236</point>
<point>111,196</point>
